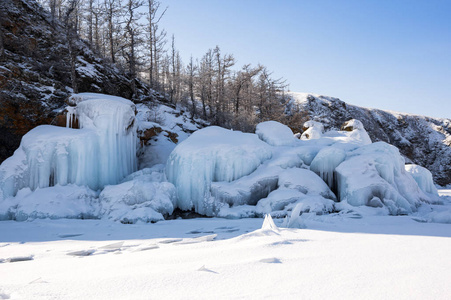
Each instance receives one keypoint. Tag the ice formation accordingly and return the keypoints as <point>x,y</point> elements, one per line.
<point>275,133</point>
<point>141,198</point>
<point>91,172</point>
<point>209,155</point>
<point>423,177</point>
<point>325,163</point>
<point>297,186</point>
<point>232,174</point>
<point>102,152</point>
<point>374,175</point>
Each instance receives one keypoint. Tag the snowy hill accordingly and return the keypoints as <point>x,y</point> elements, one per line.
<point>421,140</point>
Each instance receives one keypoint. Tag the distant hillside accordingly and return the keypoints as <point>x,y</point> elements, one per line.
<point>35,71</point>
<point>422,140</point>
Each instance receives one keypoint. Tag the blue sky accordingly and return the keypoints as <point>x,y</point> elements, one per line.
<point>387,54</point>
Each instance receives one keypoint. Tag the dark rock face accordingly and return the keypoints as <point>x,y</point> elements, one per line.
<point>422,140</point>
<point>35,71</point>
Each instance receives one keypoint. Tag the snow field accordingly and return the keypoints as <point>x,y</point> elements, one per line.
<point>263,263</point>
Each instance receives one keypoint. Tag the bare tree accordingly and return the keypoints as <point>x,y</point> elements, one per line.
<point>71,36</point>
<point>156,38</point>
<point>191,70</point>
<point>133,39</point>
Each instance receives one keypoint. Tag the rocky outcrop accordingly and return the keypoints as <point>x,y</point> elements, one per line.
<point>422,140</point>
<point>35,71</point>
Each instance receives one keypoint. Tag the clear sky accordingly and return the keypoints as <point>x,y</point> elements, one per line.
<point>388,54</point>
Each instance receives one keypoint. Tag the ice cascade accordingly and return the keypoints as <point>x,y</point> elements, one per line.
<point>101,152</point>
<point>209,155</point>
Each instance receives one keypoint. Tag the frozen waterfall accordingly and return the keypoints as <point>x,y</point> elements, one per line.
<point>101,152</point>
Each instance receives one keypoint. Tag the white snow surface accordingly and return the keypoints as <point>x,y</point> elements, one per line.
<point>372,257</point>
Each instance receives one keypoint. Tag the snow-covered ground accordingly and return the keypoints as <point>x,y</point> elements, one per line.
<point>346,256</point>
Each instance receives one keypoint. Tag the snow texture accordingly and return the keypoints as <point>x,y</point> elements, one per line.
<point>275,133</point>
<point>374,175</point>
<point>140,198</point>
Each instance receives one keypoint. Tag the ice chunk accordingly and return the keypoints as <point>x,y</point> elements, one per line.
<point>375,174</point>
<point>210,155</point>
<point>423,177</point>
<point>325,163</point>
<point>50,155</point>
<point>298,186</point>
<point>275,133</point>
<point>268,224</point>
<point>248,189</point>
<point>139,199</point>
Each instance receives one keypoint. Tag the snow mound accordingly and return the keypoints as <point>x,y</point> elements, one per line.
<point>56,202</point>
<point>209,155</point>
<point>374,175</point>
<point>275,133</point>
<point>139,199</point>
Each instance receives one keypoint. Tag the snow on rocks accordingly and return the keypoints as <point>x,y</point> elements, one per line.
<point>312,130</point>
<point>275,133</point>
